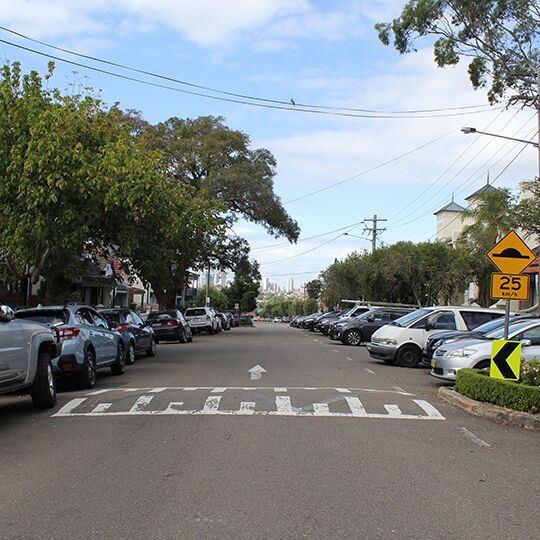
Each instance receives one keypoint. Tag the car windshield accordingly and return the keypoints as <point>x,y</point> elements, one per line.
<point>111,316</point>
<point>50,318</point>
<point>513,328</point>
<point>195,312</point>
<point>366,314</point>
<point>411,318</point>
<point>490,326</point>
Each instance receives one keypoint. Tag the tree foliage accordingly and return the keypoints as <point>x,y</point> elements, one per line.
<point>313,288</point>
<point>500,39</point>
<point>244,289</point>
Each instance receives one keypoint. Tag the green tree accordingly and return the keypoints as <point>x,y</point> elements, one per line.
<point>493,216</point>
<point>498,37</point>
<point>310,306</point>
<point>244,289</point>
<point>219,298</point>
<point>313,288</point>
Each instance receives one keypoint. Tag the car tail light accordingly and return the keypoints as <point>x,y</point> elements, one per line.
<point>69,332</point>
<point>172,323</point>
<point>121,328</point>
<point>68,366</point>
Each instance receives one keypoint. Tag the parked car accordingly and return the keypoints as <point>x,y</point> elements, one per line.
<point>235,318</point>
<point>27,350</point>
<point>476,353</point>
<point>225,323</point>
<point>88,343</point>
<point>246,320</point>
<point>323,324</point>
<point>138,336</point>
<point>350,314</point>
<point>230,316</point>
<point>170,325</point>
<point>403,340</point>
<point>442,338</point>
<point>360,329</point>
<point>202,319</point>
<point>307,322</point>
<point>320,317</point>
<point>295,321</point>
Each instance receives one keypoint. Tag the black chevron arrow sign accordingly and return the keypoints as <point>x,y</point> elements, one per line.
<point>501,360</point>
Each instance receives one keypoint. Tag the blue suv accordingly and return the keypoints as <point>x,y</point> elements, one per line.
<point>87,342</point>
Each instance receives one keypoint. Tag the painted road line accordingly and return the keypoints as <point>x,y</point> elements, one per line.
<point>217,390</point>
<point>98,392</point>
<point>369,370</point>
<point>280,389</point>
<point>356,406</point>
<point>174,407</point>
<point>211,405</point>
<point>428,408</point>
<point>157,390</point>
<point>473,438</point>
<point>102,407</point>
<point>283,405</point>
<point>316,340</point>
<point>399,389</point>
<point>70,406</point>
<point>247,407</point>
<point>349,359</point>
<point>335,350</point>
<point>321,409</point>
<point>141,403</point>
<point>393,410</point>
<point>191,388</point>
<point>343,390</point>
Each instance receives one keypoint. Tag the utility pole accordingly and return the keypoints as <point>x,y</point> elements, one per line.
<point>374,230</point>
<point>538,255</point>
<point>206,300</point>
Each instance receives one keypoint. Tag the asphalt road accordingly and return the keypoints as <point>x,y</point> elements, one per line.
<point>327,444</point>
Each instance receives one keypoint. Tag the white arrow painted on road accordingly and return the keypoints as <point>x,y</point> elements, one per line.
<point>256,372</point>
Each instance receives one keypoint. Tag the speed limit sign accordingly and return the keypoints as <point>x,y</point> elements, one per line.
<point>509,286</point>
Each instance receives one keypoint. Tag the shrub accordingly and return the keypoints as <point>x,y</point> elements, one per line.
<point>530,373</point>
<point>477,384</point>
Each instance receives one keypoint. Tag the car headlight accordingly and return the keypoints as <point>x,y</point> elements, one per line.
<point>461,353</point>
<point>385,341</point>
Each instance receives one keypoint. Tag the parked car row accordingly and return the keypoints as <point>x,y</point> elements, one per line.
<point>446,338</point>
<point>39,345</point>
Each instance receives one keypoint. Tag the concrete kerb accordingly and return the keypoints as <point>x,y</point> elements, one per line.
<point>490,411</point>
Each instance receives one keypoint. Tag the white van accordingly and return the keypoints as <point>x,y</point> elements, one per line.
<point>402,340</point>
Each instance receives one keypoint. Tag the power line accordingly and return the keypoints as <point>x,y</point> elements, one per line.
<point>228,93</point>
<point>231,100</point>
<point>371,169</point>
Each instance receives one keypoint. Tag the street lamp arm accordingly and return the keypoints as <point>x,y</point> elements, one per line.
<point>469,130</point>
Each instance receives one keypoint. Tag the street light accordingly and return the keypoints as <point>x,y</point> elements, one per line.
<point>469,130</point>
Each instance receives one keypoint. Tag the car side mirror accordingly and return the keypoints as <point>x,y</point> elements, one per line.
<point>429,326</point>
<point>371,318</point>
<point>6,314</point>
<point>526,342</point>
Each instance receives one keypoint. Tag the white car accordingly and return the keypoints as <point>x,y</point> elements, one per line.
<point>476,353</point>
<point>202,319</point>
<point>403,340</point>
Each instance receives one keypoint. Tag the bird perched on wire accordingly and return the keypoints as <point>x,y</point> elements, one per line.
<point>293,102</point>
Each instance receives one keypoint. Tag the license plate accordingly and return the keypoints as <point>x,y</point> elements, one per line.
<point>433,363</point>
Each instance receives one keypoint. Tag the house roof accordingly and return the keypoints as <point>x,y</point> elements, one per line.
<point>450,207</point>
<point>483,189</point>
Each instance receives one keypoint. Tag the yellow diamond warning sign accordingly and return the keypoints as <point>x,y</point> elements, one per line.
<point>509,286</point>
<point>511,255</point>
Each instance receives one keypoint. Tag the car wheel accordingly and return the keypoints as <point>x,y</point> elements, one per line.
<point>352,337</point>
<point>389,361</point>
<point>130,354</point>
<point>152,349</point>
<point>211,330</point>
<point>43,389</point>
<point>190,337</point>
<point>89,376</point>
<point>484,364</point>
<point>183,337</point>
<point>119,368</point>
<point>409,356</point>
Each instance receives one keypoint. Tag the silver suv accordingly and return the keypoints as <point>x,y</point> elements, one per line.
<point>202,319</point>
<point>27,349</point>
<point>87,342</point>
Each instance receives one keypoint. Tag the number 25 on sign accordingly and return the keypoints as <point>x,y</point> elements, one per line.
<point>509,286</point>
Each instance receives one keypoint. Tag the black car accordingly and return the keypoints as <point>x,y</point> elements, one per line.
<point>436,340</point>
<point>323,324</point>
<point>170,325</point>
<point>360,329</point>
<point>308,321</point>
<point>138,337</point>
<point>352,313</point>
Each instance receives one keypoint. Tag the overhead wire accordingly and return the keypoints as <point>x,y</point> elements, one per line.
<point>228,93</point>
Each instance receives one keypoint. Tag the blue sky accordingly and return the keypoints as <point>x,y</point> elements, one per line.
<point>316,52</point>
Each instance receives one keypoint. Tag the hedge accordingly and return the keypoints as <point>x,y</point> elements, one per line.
<point>478,385</point>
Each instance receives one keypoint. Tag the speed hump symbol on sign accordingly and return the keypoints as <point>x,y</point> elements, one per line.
<point>509,286</point>
<point>505,360</point>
